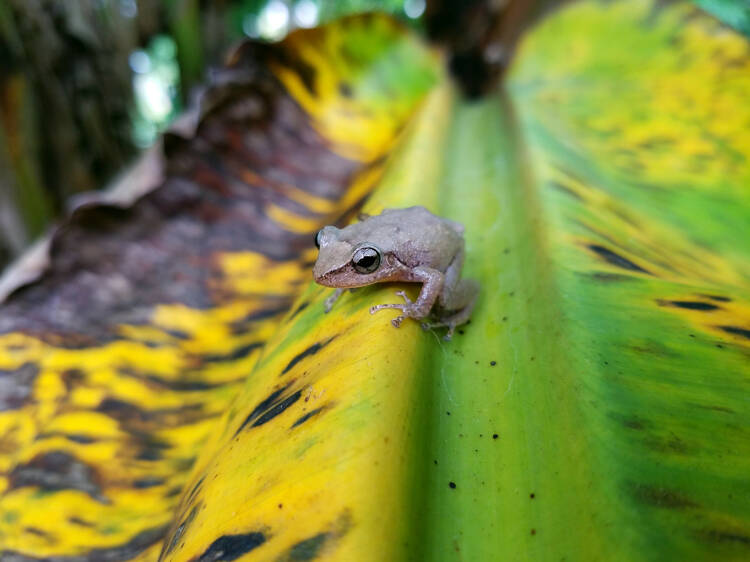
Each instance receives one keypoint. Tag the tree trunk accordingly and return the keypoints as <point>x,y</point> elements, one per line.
<point>64,98</point>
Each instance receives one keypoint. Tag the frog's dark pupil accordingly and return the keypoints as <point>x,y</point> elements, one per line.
<point>317,239</point>
<point>366,261</point>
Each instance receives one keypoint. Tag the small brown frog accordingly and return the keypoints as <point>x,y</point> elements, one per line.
<point>411,245</point>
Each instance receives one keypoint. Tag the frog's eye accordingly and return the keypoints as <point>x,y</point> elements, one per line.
<point>317,239</point>
<point>366,260</point>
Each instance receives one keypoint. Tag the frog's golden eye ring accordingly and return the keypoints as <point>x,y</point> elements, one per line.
<point>317,238</point>
<point>366,260</point>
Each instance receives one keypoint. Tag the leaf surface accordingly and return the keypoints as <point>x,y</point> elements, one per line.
<point>116,364</point>
<point>595,407</point>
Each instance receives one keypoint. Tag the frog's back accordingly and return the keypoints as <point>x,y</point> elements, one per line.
<point>414,235</point>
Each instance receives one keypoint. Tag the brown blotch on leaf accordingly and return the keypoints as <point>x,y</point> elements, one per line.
<point>605,277</point>
<point>725,536</point>
<point>16,386</point>
<point>57,470</point>
<point>661,497</point>
<point>127,551</point>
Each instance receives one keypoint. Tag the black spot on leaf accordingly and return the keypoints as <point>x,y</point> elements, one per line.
<point>312,350</point>
<point>736,331</point>
<point>717,298</point>
<point>152,449</point>
<point>173,491</point>
<point>277,409</point>
<point>299,309</point>
<point>148,482</point>
<point>71,378</point>
<point>242,325</point>
<point>262,406</point>
<point>715,408</point>
<point>80,522</point>
<point>310,548</point>
<point>123,411</point>
<point>307,416</point>
<point>237,354</point>
<point>297,65</point>
<point>616,259</point>
<point>177,334</point>
<point>126,551</point>
<point>604,277</point>
<point>345,90</point>
<point>194,490</point>
<point>307,549</point>
<point>633,423</point>
<point>179,531</point>
<point>231,547</point>
<point>36,531</point>
<point>564,189</point>
<point>689,305</point>
<point>79,438</point>
<point>726,536</point>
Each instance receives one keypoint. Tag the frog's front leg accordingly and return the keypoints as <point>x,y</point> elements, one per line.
<point>329,302</point>
<point>432,285</point>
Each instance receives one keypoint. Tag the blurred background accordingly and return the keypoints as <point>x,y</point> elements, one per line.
<point>85,85</point>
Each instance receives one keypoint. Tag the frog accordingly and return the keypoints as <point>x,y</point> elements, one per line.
<point>409,245</point>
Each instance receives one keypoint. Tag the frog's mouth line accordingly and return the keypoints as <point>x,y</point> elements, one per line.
<point>347,278</point>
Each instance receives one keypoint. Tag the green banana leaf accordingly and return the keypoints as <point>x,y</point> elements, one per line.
<point>594,408</point>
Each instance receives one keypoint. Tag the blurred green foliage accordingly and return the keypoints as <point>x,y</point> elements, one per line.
<point>166,70</point>
<point>168,45</point>
<point>732,12</point>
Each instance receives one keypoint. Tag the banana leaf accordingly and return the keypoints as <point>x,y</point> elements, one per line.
<point>118,361</point>
<point>177,364</point>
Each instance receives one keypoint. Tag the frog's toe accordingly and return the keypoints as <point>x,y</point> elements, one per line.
<point>397,321</point>
<point>449,334</point>
<point>375,308</point>
<point>404,296</point>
